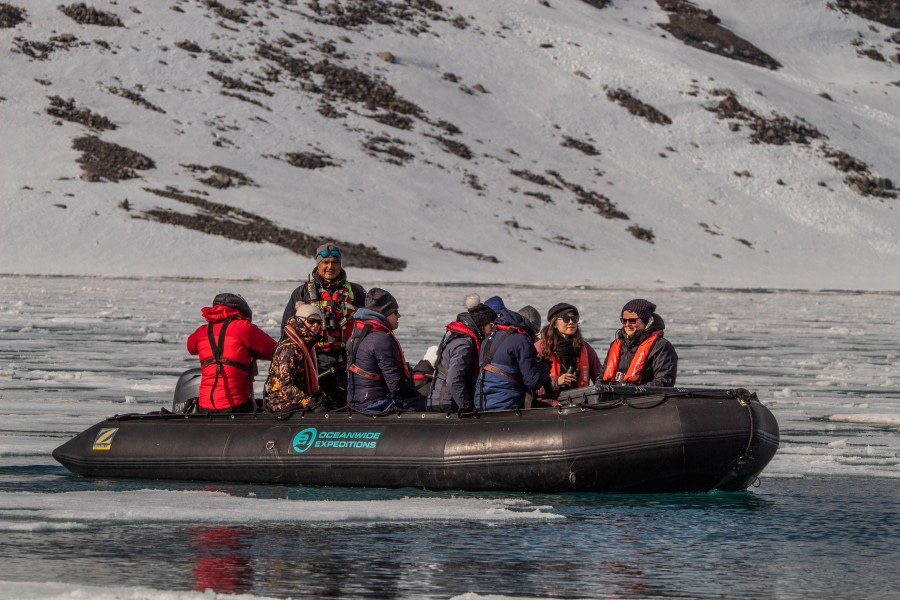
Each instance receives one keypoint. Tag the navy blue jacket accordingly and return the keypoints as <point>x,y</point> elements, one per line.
<point>456,369</point>
<point>378,354</point>
<point>515,355</point>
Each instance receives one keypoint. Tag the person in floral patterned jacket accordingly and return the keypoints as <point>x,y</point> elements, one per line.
<point>293,382</point>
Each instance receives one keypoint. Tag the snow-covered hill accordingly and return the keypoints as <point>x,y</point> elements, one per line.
<point>529,141</point>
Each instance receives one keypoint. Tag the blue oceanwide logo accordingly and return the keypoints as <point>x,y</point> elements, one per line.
<point>313,438</point>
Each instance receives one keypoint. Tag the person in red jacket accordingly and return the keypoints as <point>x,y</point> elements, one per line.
<point>228,346</point>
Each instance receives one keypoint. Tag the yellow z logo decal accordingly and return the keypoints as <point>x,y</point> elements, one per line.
<point>104,439</point>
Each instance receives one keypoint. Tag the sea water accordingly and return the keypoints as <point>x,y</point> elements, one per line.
<point>822,521</point>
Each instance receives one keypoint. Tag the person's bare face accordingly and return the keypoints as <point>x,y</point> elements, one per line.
<point>329,268</point>
<point>632,323</point>
<point>393,320</point>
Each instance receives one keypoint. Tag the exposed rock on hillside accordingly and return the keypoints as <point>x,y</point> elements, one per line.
<point>10,15</point>
<point>237,224</point>
<point>104,160</point>
<point>700,29</point>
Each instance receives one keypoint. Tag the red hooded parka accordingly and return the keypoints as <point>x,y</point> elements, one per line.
<point>244,343</point>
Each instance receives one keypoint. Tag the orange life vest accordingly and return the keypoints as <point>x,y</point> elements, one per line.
<point>582,364</point>
<point>637,363</point>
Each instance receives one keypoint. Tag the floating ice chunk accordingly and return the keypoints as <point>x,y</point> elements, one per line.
<point>130,400</point>
<point>838,443</point>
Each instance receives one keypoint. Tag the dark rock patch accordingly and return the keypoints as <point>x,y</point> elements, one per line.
<point>10,15</point>
<point>42,50</point>
<point>642,233</point>
<point>534,178</point>
<point>107,161</point>
<point>356,14</point>
<point>65,109</point>
<point>602,205</point>
<point>700,29</point>
<point>135,98</point>
<point>638,108</point>
<point>470,253</point>
<point>246,99</point>
<point>387,149</point>
<point>777,129</point>
<point>453,147</point>
<point>231,83</point>
<point>189,46</point>
<point>392,119</point>
<point>309,160</point>
<point>222,177</point>
<point>886,12</point>
<point>238,15</point>
<point>234,223</point>
<point>562,240</point>
<point>545,198</point>
<point>581,146</point>
<point>597,3</point>
<point>88,15</point>
<point>337,82</point>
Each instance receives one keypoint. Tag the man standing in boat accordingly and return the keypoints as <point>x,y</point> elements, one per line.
<point>328,289</point>
<point>379,378</point>
<point>639,354</point>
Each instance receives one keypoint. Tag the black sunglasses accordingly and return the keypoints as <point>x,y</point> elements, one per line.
<point>632,321</point>
<point>569,318</point>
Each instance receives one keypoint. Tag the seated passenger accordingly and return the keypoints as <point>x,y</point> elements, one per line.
<point>228,346</point>
<point>509,366</point>
<point>639,355</point>
<point>456,368</point>
<point>379,378</point>
<point>533,316</point>
<point>293,382</point>
<point>573,363</point>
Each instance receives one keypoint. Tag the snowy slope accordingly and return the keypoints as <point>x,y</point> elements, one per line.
<point>712,199</point>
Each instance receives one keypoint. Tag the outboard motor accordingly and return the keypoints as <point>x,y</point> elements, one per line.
<point>187,392</point>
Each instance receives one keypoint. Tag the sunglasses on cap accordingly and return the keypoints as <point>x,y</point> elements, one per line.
<point>332,253</point>
<point>632,321</point>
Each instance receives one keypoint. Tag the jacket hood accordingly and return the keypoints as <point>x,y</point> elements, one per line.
<point>508,317</point>
<point>367,314</point>
<point>220,312</point>
<point>466,319</point>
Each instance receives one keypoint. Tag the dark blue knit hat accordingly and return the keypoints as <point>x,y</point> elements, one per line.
<point>644,309</point>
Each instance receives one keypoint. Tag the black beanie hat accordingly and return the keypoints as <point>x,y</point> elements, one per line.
<point>642,308</point>
<point>482,314</point>
<point>382,302</point>
<point>533,316</point>
<point>235,301</point>
<point>558,310</point>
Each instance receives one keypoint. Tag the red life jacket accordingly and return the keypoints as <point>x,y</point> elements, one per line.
<point>309,362</point>
<point>337,307</point>
<point>367,326</point>
<point>460,327</point>
<point>637,363</point>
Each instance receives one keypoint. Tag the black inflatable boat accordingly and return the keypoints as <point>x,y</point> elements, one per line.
<point>600,439</point>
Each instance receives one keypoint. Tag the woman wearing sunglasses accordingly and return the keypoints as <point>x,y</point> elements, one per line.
<point>573,362</point>
<point>293,382</point>
<point>640,355</point>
